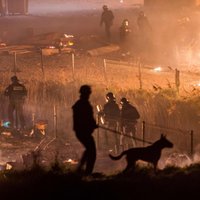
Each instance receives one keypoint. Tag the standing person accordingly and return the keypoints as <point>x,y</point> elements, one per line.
<point>16,93</point>
<point>124,36</point>
<point>124,31</point>
<point>145,33</point>
<point>143,24</point>
<point>107,18</point>
<point>129,117</point>
<point>84,124</point>
<point>111,114</point>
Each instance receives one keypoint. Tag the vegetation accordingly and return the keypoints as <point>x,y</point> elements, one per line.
<point>171,182</point>
<point>55,83</point>
<point>56,87</point>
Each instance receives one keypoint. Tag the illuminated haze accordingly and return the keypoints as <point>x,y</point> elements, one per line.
<point>58,6</point>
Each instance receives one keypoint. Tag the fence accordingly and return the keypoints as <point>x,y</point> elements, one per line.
<point>148,133</point>
<point>184,139</point>
<point>132,74</point>
<point>112,73</point>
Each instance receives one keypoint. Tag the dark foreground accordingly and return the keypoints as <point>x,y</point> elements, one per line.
<point>169,183</point>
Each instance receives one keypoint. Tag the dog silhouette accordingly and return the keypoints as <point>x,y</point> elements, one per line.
<point>151,153</point>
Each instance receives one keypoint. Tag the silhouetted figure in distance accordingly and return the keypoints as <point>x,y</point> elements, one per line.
<point>107,18</point>
<point>143,24</point>
<point>124,36</point>
<point>145,34</point>
<point>124,31</point>
<point>84,124</point>
<point>16,93</point>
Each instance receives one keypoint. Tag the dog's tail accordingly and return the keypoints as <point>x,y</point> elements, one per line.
<point>117,157</point>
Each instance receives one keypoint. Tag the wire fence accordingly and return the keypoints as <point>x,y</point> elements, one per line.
<point>121,74</point>
<point>147,134</point>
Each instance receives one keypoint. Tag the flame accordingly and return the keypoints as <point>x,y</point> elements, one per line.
<point>197,84</point>
<point>71,161</point>
<point>157,69</point>
<point>68,36</point>
<point>70,43</point>
<point>51,47</point>
<point>8,166</point>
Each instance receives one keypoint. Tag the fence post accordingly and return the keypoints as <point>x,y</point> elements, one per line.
<point>177,79</point>
<point>140,74</point>
<point>192,143</point>
<point>15,63</point>
<point>73,67</point>
<point>105,71</point>
<point>55,120</point>
<point>143,132</point>
<point>97,138</point>
<point>42,64</point>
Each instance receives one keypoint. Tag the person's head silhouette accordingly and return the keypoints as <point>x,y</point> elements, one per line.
<point>85,91</point>
<point>14,79</point>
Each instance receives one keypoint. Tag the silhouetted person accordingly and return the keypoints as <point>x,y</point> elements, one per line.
<point>111,114</point>
<point>124,31</point>
<point>145,32</point>
<point>124,36</point>
<point>107,18</point>
<point>129,117</point>
<point>16,93</point>
<point>143,24</point>
<point>84,124</point>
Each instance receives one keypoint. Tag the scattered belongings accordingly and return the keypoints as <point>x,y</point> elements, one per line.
<point>58,40</point>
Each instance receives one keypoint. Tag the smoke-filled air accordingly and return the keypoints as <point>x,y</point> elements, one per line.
<point>141,57</point>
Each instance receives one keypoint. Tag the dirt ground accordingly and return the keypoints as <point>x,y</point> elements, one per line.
<point>84,25</point>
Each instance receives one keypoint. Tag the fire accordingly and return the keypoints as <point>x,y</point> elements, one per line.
<point>157,69</point>
<point>68,36</point>
<point>71,161</point>
<point>51,47</point>
<point>8,166</point>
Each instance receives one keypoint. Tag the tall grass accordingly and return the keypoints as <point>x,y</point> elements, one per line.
<point>58,86</point>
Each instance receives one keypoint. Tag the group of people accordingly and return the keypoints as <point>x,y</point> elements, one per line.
<point>122,118</point>
<point>84,123</point>
<point>107,18</point>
